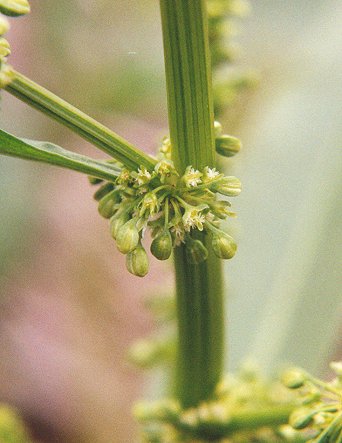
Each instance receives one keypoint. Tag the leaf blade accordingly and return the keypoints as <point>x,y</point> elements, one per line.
<point>55,155</point>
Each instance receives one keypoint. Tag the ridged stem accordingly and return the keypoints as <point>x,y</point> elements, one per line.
<point>199,287</point>
<point>88,128</point>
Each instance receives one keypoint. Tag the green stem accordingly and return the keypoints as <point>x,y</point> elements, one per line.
<point>272,416</point>
<point>88,128</point>
<point>199,287</point>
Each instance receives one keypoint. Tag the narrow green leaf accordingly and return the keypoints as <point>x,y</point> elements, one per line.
<point>55,155</point>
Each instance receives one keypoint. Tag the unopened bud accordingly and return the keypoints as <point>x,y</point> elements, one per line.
<point>239,7</point>
<point>4,25</point>
<point>107,205</point>
<point>94,180</point>
<point>137,261</point>
<point>313,396</point>
<point>217,129</point>
<point>103,191</point>
<point>294,378</point>
<point>196,252</point>
<point>117,221</point>
<point>14,8</point>
<point>220,208</point>
<point>4,48</point>
<point>301,418</point>
<point>144,353</point>
<point>229,186</point>
<point>227,145</point>
<point>221,54</point>
<point>161,246</point>
<point>127,238</point>
<point>223,245</point>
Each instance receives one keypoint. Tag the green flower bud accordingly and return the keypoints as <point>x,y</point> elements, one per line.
<point>294,378</point>
<point>117,221</point>
<point>220,208</point>
<point>221,54</point>
<point>137,261</point>
<point>107,205</point>
<point>4,25</point>
<point>227,145</point>
<point>14,8</point>
<point>223,245</point>
<point>143,353</point>
<point>127,238</point>
<point>103,190</point>
<point>216,8</point>
<point>301,418</point>
<point>161,246</point>
<point>166,147</point>
<point>217,129</point>
<point>94,180</point>
<point>4,48</point>
<point>313,396</point>
<point>196,251</point>
<point>230,186</point>
<point>239,8</point>
<point>148,353</point>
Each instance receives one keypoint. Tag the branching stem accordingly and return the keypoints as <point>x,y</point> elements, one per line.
<point>88,128</point>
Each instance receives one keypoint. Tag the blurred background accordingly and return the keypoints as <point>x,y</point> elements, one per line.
<point>69,310</point>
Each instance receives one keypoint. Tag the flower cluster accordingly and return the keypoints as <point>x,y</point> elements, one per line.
<point>220,15</point>
<point>12,8</point>
<point>320,414</point>
<point>239,399</point>
<point>174,208</point>
<point>223,16</point>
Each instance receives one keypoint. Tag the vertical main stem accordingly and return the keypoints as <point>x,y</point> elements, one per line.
<point>199,287</point>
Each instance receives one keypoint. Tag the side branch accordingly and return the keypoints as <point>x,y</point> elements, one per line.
<point>88,128</point>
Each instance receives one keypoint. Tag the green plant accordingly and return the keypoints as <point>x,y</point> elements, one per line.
<point>181,188</point>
